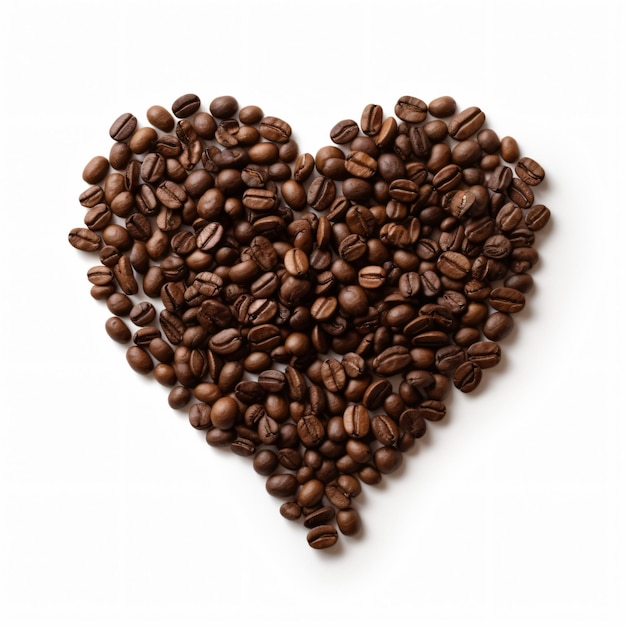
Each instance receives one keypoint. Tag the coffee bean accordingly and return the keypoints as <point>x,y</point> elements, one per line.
<point>310,430</point>
<point>296,262</point>
<point>139,360</point>
<point>185,105</point>
<point>160,118</point>
<point>443,106</point>
<point>467,376</point>
<point>84,239</point>
<point>529,171</point>
<point>274,129</point>
<point>537,217</point>
<point>372,119</point>
<point>322,537</point>
<point>509,149</point>
<point>507,299</point>
<point>344,132</point>
<point>123,127</point>
<point>465,123</point>
<point>411,109</point>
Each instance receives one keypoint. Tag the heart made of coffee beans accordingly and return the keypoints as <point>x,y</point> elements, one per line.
<point>312,312</point>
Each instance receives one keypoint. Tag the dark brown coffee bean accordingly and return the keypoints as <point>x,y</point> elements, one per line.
<point>322,537</point>
<point>432,410</point>
<point>259,199</point>
<point>344,132</point>
<point>142,314</point>
<point>160,118</point>
<point>275,129</point>
<point>372,277</point>
<point>310,430</point>
<point>296,262</point>
<point>520,193</point>
<point>530,171</point>
<point>500,179</point>
<point>210,236</point>
<point>454,265</point>
<point>282,485</point>
<point>537,217</point>
<point>224,107</point>
<point>465,123</point>
<point>186,105</point>
<point>497,247</point>
<point>123,127</point>
<point>385,430</point>
<point>359,164</point>
<point>376,393</point>
<point>353,364</point>
<point>265,463</point>
<point>507,299</point>
<point>509,149</point>
<point>117,329</point>
<point>372,119</point>
<point>484,353</point>
<point>139,360</point>
<point>392,361</point>
<point>84,239</point>
<point>467,376</point>
<point>387,459</point>
<point>321,193</point>
<point>411,421</point>
<point>348,521</point>
<point>96,170</point>
<point>447,178</point>
<point>497,326</point>
<point>227,341</point>
<point>333,375</point>
<point>356,421</point>
<point>410,109</point>
<point>443,106</point>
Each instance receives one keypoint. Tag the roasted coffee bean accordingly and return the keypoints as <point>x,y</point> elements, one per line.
<point>117,329</point>
<point>84,239</point>
<point>348,521</point>
<point>443,106</point>
<point>467,376</point>
<point>333,375</point>
<point>123,127</point>
<point>310,430</point>
<point>521,193</point>
<point>485,354</point>
<point>447,178</point>
<point>160,118</point>
<point>537,217</point>
<point>385,430</point>
<point>186,105</point>
<point>322,537</point>
<point>372,119</point>
<point>139,360</point>
<point>465,123</point>
<point>387,459</point>
<point>529,171</point>
<point>411,109</point>
<point>344,132</point>
<point>497,326</point>
<point>96,170</point>
<point>282,485</point>
<point>296,262</point>
<point>507,299</point>
<point>509,149</point>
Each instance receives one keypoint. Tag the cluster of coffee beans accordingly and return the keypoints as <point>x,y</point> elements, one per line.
<point>311,311</point>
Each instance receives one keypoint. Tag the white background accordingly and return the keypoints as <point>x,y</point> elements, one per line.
<point>113,510</point>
